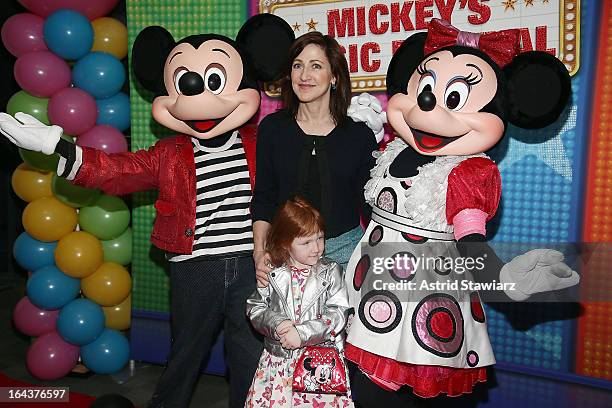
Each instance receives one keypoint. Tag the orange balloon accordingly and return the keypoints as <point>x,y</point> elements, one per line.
<point>48,219</point>
<point>109,285</point>
<point>30,183</point>
<point>110,36</point>
<point>79,254</point>
<point>118,317</point>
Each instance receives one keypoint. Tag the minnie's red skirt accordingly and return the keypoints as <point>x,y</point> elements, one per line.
<point>426,381</point>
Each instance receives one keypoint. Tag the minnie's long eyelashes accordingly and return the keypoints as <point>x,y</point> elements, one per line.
<point>472,79</point>
<point>422,68</point>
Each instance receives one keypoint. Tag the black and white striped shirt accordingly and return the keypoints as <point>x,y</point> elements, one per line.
<point>223,196</point>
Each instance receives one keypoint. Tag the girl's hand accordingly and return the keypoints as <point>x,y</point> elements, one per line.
<point>262,268</point>
<point>291,339</point>
<point>283,327</point>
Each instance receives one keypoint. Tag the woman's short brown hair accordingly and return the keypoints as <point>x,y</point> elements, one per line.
<point>341,96</point>
<point>296,218</point>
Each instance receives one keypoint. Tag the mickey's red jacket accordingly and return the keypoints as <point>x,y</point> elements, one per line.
<point>167,166</point>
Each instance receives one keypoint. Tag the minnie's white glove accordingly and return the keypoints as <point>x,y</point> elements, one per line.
<point>539,270</point>
<point>29,133</point>
<point>367,108</point>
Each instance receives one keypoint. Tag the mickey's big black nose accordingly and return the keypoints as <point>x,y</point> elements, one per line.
<point>191,83</point>
<point>426,100</point>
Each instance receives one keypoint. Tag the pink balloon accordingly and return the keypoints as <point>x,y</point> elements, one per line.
<point>23,33</point>
<point>42,73</point>
<point>50,357</point>
<point>104,137</point>
<point>90,8</point>
<point>33,321</point>
<point>74,110</point>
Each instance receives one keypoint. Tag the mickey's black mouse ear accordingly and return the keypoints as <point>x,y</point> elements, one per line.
<point>405,60</point>
<point>265,39</point>
<point>149,53</point>
<point>538,88</point>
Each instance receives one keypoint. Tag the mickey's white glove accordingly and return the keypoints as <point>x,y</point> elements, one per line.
<point>539,270</point>
<point>29,133</point>
<point>367,108</point>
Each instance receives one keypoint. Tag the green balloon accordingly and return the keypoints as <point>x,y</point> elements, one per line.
<point>119,250</point>
<point>42,161</point>
<point>74,196</point>
<point>26,103</point>
<point>39,160</point>
<point>106,218</point>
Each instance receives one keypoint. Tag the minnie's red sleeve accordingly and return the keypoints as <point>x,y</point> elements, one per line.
<point>474,190</point>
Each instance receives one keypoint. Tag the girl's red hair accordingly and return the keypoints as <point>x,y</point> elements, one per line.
<point>296,218</point>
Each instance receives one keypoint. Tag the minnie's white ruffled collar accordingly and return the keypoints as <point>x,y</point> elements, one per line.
<point>425,200</point>
<point>383,161</point>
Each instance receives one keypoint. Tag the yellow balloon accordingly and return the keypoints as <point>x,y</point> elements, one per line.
<point>30,183</point>
<point>110,36</point>
<point>79,254</point>
<point>109,285</point>
<point>118,317</point>
<point>48,219</point>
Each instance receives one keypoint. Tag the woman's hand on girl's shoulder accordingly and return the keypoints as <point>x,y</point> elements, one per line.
<point>263,267</point>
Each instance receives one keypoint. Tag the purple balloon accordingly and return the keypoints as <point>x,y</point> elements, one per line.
<point>74,110</point>
<point>104,137</point>
<point>42,73</point>
<point>33,321</point>
<point>23,33</point>
<point>50,357</point>
<point>92,9</point>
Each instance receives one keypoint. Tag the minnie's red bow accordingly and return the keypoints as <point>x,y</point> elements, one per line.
<point>322,359</point>
<point>501,46</point>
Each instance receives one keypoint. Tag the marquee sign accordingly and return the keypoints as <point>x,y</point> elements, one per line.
<point>369,31</point>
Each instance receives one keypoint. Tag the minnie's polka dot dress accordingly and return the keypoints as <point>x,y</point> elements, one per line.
<point>433,339</point>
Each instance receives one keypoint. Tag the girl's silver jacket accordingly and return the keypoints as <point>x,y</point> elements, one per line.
<point>324,307</point>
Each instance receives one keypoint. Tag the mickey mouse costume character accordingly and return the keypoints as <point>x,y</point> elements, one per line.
<point>433,189</point>
<point>206,88</point>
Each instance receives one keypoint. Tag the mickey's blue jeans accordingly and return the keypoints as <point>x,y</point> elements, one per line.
<point>207,296</point>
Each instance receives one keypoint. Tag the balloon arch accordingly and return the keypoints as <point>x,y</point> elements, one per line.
<point>77,242</point>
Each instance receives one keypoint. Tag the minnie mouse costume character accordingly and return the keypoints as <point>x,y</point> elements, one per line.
<point>206,90</point>
<point>433,189</point>
<point>320,369</point>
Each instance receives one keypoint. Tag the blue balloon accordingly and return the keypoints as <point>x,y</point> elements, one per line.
<point>114,111</point>
<point>107,354</point>
<point>80,322</point>
<point>100,74</point>
<point>49,288</point>
<point>68,34</point>
<point>32,254</point>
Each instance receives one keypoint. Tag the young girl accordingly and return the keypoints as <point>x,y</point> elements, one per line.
<point>305,304</point>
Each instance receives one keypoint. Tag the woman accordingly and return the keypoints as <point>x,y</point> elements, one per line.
<point>313,149</point>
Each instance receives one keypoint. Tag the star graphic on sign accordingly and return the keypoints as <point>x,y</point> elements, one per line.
<point>552,152</point>
<point>296,27</point>
<point>509,4</point>
<point>312,25</point>
<point>528,3</point>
